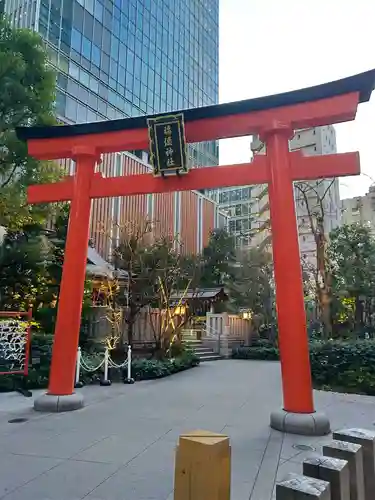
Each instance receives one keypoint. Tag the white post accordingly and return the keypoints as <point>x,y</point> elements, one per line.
<point>106,356</point>
<point>78,365</point>
<point>105,381</point>
<point>225,342</point>
<point>129,362</point>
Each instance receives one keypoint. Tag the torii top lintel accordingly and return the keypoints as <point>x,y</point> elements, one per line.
<point>325,104</point>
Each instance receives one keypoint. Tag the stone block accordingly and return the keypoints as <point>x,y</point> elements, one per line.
<point>366,439</point>
<point>202,467</point>
<point>353,454</point>
<point>298,487</point>
<point>332,470</point>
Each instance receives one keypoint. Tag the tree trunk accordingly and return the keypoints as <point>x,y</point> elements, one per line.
<point>358,314</point>
<point>325,313</point>
<point>326,319</point>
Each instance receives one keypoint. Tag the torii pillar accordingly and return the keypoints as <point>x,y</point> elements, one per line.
<point>274,118</point>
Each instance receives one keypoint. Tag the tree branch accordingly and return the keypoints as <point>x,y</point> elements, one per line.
<point>7,181</point>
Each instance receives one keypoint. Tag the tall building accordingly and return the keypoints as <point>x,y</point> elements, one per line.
<point>360,209</point>
<point>236,202</point>
<point>122,58</point>
<point>322,196</point>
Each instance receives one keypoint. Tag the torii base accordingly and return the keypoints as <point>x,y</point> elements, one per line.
<point>304,424</point>
<point>48,403</point>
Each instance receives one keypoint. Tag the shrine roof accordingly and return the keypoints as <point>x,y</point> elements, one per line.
<point>199,293</point>
<point>364,83</point>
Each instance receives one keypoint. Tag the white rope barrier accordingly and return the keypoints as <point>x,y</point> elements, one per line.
<point>85,366</point>
<point>112,364</point>
<point>107,362</point>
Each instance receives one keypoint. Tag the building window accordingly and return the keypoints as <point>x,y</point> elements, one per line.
<point>86,47</point>
<point>95,55</point>
<point>71,109</point>
<point>76,40</point>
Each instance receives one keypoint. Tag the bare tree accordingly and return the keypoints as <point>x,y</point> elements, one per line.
<point>178,279</point>
<point>312,197</point>
<point>113,314</point>
<point>252,286</point>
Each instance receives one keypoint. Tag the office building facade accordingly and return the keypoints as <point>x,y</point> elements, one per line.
<point>236,203</point>
<point>188,217</point>
<point>123,58</point>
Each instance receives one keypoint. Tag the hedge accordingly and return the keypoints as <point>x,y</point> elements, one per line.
<point>335,365</point>
<point>146,369</point>
<point>142,369</point>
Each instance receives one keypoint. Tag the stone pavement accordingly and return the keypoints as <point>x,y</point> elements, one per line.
<point>121,445</point>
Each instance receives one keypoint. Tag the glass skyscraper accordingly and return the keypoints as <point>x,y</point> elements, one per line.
<point>119,58</point>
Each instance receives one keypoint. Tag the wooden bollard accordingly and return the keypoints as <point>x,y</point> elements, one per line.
<point>333,470</point>
<point>353,454</point>
<point>366,439</point>
<point>297,487</point>
<point>203,467</point>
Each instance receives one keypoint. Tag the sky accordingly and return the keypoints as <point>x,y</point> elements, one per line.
<point>272,46</point>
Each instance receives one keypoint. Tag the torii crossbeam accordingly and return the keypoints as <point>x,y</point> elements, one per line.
<point>274,118</point>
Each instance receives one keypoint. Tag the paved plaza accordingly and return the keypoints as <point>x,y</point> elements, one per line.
<point>121,445</point>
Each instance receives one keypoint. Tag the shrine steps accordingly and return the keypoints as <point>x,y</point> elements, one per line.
<point>203,353</point>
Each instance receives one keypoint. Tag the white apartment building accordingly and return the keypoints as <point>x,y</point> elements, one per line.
<point>248,207</point>
<point>360,209</point>
<point>322,196</point>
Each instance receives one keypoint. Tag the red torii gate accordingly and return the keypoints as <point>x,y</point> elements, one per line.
<point>274,118</point>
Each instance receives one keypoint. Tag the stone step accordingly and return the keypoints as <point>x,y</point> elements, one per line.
<point>210,357</point>
<point>203,350</point>
<point>192,343</point>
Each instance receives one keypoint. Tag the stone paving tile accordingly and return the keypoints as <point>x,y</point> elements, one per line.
<point>122,444</point>
<point>69,480</point>
<point>16,470</point>
<point>264,482</point>
<point>133,484</point>
<point>62,446</point>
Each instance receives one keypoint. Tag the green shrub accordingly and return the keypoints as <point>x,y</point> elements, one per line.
<point>344,366</point>
<point>146,369</point>
<point>338,366</point>
<point>265,352</point>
